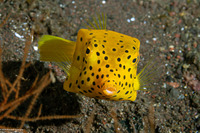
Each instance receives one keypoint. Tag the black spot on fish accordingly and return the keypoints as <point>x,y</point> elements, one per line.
<point>121,46</point>
<point>88,79</point>
<point>84,68</point>
<point>120,98</point>
<point>76,81</point>
<point>120,41</point>
<point>129,97</point>
<point>98,61</point>
<point>99,70</point>
<point>87,51</point>
<point>134,60</point>
<point>120,65</point>
<point>119,75</point>
<point>134,48</point>
<point>91,34</point>
<point>114,49</point>
<point>103,46</point>
<point>124,67</point>
<point>70,85</point>
<point>107,75</point>
<point>95,45</point>
<point>111,70</point>
<point>81,39</point>
<point>85,91</point>
<point>85,72</point>
<point>102,75</point>
<point>92,88</point>
<point>97,76</point>
<point>129,69</point>
<point>118,91</point>
<point>80,92</point>
<point>122,85</point>
<point>97,53</point>
<point>131,76</point>
<point>118,59</point>
<point>129,57</point>
<point>90,67</point>
<point>126,51</point>
<point>104,40</point>
<point>100,93</point>
<point>92,74</point>
<point>93,83</point>
<point>89,91</point>
<point>114,95</point>
<point>107,66</point>
<point>82,81</point>
<point>78,58</point>
<point>103,52</point>
<point>79,86</point>
<point>106,57</point>
<point>124,76</point>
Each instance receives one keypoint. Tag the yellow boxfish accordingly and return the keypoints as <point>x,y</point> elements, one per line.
<point>101,64</point>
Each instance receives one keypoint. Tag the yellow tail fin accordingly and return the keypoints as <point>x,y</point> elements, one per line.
<point>56,49</point>
<point>51,46</point>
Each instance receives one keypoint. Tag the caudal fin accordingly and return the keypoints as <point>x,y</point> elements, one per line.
<point>56,49</point>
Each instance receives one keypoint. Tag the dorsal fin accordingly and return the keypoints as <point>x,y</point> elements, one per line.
<point>97,23</point>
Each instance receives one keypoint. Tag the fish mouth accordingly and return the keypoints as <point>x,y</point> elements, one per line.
<point>109,91</point>
<point>109,88</point>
